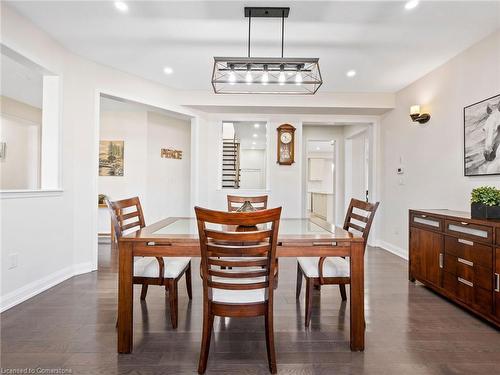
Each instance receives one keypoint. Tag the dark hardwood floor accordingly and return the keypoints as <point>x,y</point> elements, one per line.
<point>410,330</point>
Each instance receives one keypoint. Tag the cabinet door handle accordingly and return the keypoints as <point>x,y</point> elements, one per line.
<point>466,262</point>
<point>466,282</point>
<point>497,282</point>
<point>464,223</point>
<point>441,260</point>
<point>424,216</point>
<point>466,242</point>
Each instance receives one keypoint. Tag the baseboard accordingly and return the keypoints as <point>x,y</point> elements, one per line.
<point>36,287</point>
<point>396,250</point>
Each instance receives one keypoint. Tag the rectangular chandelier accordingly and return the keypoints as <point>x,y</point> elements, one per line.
<point>262,75</point>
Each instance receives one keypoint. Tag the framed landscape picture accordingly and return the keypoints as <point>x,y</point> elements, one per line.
<point>482,137</point>
<point>111,158</point>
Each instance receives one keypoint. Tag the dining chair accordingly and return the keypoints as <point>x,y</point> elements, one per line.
<point>320,271</point>
<point>246,290</point>
<point>127,216</point>
<point>234,202</point>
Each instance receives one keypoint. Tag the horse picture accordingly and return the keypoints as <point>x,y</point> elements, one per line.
<point>482,137</point>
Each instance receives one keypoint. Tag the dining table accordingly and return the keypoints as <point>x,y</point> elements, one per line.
<point>178,237</point>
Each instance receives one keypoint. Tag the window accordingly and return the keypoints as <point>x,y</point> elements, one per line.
<point>29,127</point>
<point>244,154</point>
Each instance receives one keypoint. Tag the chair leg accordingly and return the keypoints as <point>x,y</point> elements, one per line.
<point>271,353</point>
<point>206,335</point>
<point>299,281</point>
<point>188,282</point>
<point>343,293</point>
<point>174,306</point>
<point>144,291</point>
<point>309,296</point>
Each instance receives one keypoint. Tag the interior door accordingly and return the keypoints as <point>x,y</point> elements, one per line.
<point>357,167</point>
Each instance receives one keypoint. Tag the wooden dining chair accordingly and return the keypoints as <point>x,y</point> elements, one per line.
<point>246,290</point>
<point>320,271</point>
<point>234,202</point>
<point>127,216</point>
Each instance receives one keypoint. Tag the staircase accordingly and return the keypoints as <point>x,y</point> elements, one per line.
<point>230,164</point>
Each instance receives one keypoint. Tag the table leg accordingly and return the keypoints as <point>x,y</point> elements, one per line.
<point>125,296</point>
<point>357,300</point>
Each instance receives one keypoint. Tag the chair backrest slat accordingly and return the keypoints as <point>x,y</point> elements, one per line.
<point>362,213</point>
<point>234,202</point>
<point>245,234</point>
<point>122,216</point>
<point>261,262</point>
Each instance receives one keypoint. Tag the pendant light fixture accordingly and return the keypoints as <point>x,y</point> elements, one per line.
<point>266,75</point>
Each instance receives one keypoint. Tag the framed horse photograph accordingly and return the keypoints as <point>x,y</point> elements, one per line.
<point>482,138</point>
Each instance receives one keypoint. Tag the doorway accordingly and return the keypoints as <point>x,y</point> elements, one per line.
<point>320,155</point>
<point>136,143</point>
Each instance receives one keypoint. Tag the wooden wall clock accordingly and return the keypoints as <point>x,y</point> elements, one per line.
<point>286,142</point>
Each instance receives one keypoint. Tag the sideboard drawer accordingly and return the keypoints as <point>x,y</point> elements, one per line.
<point>459,267</point>
<point>470,231</point>
<point>426,221</point>
<point>469,250</point>
<point>479,276</point>
<point>473,295</point>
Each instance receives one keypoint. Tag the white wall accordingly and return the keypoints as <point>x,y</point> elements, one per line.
<point>168,180</point>
<point>20,129</point>
<point>155,180</point>
<point>432,154</point>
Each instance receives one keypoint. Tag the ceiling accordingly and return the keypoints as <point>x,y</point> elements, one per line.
<point>320,146</point>
<point>388,45</point>
<point>251,134</point>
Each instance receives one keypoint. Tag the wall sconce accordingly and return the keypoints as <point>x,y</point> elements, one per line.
<point>416,116</point>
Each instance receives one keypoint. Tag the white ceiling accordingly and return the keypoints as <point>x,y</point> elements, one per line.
<point>252,134</point>
<point>320,146</point>
<point>386,44</point>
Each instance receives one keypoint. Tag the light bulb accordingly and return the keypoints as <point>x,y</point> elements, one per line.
<point>265,77</point>
<point>121,6</point>
<point>298,78</point>
<point>232,78</point>
<point>248,77</point>
<point>282,78</point>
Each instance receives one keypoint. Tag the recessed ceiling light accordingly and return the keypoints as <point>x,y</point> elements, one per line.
<point>256,126</point>
<point>411,4</point>
<point>121,6</point>
<point>168,70</point>
<point>317,148</point>
<point>254,143</point>
<point>351,73</point>
<point>255,135</point>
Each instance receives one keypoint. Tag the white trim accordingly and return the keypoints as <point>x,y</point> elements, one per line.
<point>38,286</point>
<point>37,193</point>
<point>396,250</point>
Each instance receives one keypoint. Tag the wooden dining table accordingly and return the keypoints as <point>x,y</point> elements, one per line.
<point>177,236</point>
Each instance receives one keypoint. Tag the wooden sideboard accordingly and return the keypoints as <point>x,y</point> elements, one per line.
<point>458,257</point>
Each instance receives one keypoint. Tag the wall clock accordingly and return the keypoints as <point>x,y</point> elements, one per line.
<point>286,141</point>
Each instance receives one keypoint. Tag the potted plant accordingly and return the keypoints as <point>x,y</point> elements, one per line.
<point>485,203</point>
